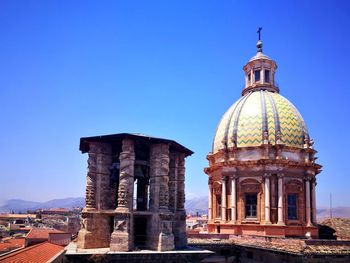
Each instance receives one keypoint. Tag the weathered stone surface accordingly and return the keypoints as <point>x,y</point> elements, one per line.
<point>112,218</point>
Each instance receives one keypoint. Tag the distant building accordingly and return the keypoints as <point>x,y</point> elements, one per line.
<point>262,168</point>
<point>39,235</point>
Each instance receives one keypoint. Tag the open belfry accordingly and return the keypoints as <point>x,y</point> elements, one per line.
<point>135,193</point>
<point>262,170</point>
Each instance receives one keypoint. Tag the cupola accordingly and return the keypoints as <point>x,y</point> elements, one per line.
<point>260,72</point>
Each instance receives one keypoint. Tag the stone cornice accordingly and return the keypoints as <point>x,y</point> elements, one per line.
<point>315,168</point>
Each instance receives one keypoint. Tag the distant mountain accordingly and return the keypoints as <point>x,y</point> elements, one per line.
<point>197,204</point>
<point>18,205</point>
<point>340,211</point>
<point>193,205</point>
<point>200,204</point>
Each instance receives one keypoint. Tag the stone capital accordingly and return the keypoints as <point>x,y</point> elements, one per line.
<point>267,175</point>
<point>234,176</point>
<point>280,175</point>
<point>224,178</point>
<point>228,171</point>
<point>307,178</point>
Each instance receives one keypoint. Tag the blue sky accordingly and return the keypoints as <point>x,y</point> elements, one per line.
<point>171,69</point>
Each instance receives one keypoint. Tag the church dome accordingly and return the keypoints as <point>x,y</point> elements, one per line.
<point>261,115</point>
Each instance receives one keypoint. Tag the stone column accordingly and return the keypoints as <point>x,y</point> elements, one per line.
<point>313,196</point>
<point>307,201</point>
<point>90,197</point>
<point>97,193</point>
<point>233,199</point>
<point>160,232</point>
<point>267,199</point>
<point>223,198</point>
<point>210,200</point>
<point>180,237</point>
<point>262,77</point>
<point>97,183</point>
<point>280,199</point>
<point>126,176</point>
<point>122,238</point>
<point>181,184</point>
<point>173,169</point>
<point>252,78</point>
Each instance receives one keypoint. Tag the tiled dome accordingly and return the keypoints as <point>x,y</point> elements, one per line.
<point>258,117</point>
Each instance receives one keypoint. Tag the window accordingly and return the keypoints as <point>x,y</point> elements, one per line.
<point>249,78</point>
<point>292,206</point>
<point>257,75</point>
<point>250,205</point>
<point>267,76</point>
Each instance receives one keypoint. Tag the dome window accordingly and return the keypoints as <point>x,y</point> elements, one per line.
<point>257,75</point>
<point>267,76</point>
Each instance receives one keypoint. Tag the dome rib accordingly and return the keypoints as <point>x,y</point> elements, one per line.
<point>229,122</point>
<point>264,114</point>
<point>275,116</point>
<point>235,125</point>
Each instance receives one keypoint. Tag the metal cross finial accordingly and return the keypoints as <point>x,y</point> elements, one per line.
<point>259,32</point>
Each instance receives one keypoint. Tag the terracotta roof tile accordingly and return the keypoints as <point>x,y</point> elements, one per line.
<point>11,244</point>
<point>38,253</point>
<point>41,233</point>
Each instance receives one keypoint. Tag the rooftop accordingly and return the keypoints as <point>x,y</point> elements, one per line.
<point>10,244</point>
<point>42,252</point>
<point>284,245</point>
<point>41,233</point>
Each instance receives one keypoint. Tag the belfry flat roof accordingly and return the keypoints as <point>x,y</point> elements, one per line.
<point>118,138</point>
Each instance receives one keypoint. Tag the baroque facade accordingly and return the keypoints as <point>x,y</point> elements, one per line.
<point>262,170</point>
<point>135,193</point>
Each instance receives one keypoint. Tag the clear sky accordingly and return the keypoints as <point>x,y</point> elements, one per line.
<point>171,69</point>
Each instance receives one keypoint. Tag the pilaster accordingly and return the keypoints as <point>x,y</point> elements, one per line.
<point>280,200</point>
<point>267,198</point>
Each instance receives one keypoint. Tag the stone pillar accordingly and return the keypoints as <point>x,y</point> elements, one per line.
<point>90,197</point>
<point>223,198</point>
<point>181,184</point>
<point>280,199</point>
<point>160,233</point>
<point>313,196</point>
<point>262,77</point>
<point>97,183</point>
<point>180,237</point>
<point>97,198</point>
<point>267,199</point>
<point>233,199</point>
<point>173,169</point>
<point>210,200</point>
<point>307,201</point>
<point>122,238</point>
<point>252,78</point>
